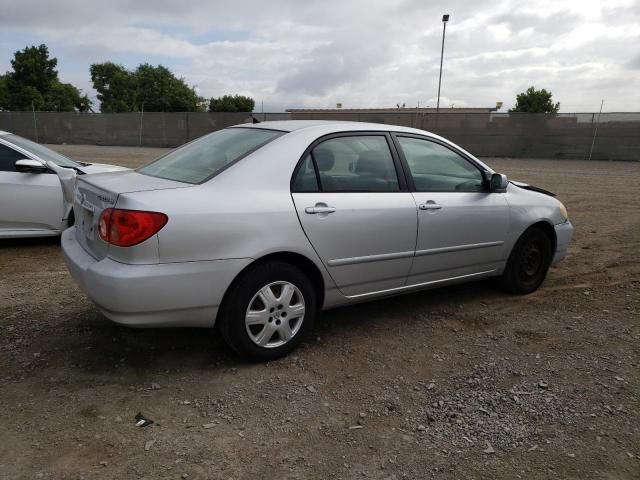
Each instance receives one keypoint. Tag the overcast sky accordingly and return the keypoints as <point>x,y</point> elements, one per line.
<point>291,53</point>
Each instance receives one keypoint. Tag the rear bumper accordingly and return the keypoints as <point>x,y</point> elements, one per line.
<point>564,232</point>
<point>185,294</point>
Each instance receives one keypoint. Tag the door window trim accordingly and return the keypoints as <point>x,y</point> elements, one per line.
<point>405,164</point>
<point>397,162</point>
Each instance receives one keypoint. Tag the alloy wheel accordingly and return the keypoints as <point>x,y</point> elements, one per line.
<point>275,314</point>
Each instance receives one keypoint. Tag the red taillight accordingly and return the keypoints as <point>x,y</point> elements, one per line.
<point>125,228</point>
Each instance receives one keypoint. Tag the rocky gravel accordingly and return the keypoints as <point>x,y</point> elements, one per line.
<point>475,409</point>
<point>463,382</point>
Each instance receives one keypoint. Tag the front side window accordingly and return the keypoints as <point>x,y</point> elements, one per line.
<point>435,168</point>
<point>201,159</point>
<point>361,163</point>
<point>8,158</point>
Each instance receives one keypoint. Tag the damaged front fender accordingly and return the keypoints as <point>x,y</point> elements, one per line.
<point>526,186</point>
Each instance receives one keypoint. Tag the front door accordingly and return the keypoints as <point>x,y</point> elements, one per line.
<point>357,212</point>
<point>462,226</point>
<point>30,203</point>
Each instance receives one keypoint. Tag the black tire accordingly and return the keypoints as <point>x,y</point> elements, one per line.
<point>528,263</point>
<point>236,305</point>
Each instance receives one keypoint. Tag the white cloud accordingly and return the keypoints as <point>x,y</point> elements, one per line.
<point>291,54</point>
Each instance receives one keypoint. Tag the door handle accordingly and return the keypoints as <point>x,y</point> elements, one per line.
<point>320,209</point>
<point>430,206</point>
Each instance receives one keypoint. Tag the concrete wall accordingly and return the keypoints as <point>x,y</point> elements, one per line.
<point>520,135</point>
<point>484,134</point>
<point>152,129</point>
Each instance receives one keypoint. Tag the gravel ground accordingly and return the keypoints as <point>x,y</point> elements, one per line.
<point>456,383</point>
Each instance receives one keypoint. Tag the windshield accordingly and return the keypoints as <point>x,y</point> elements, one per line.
<point>40,151</point>
<point>201,159</point>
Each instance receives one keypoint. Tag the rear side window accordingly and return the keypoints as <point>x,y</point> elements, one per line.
<point>359,163</point>
<point>8,158</point>
<point>306,180</point>
<point>202,159</point>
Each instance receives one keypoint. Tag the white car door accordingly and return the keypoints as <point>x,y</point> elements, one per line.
<point>31,204</point>
<point>357,212</point>
<point>462,226</point>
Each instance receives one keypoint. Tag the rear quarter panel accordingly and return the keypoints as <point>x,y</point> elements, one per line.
<point>245,212</point>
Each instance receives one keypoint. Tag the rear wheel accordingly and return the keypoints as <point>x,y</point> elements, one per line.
<point>529,262</point>
<point>268,311</point>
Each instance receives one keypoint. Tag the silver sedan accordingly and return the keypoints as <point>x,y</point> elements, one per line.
<point>256,228</point>
<point>32,203</point>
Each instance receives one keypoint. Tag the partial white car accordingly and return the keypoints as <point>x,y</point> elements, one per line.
<point>32,203</point>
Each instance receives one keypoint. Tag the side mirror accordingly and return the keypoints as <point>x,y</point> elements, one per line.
<point>498,182</point>
<point>30,166</point>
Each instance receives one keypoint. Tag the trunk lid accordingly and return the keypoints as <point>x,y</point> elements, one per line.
<point>97,192</point>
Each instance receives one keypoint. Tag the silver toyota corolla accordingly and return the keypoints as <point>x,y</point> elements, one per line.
<point>255,228</point>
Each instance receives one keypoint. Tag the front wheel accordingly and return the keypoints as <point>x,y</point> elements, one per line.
<point>529,262</point>
<point>268,311</point>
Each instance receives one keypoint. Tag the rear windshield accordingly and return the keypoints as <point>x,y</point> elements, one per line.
<point>201,159</point>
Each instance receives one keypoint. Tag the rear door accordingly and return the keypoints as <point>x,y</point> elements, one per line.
<point>462,226</point>
<point>30,203</point>
<point>356,211</point>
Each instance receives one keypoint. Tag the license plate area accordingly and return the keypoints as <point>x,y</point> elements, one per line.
<point>88,226</point>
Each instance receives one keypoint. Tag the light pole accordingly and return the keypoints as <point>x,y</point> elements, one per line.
<point>140,134</point>
<point>445,19</point>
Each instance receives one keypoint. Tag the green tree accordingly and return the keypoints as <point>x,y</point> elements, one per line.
<point>157,88</point>
<point>4,93</point>
<point>34,83</point>
<point>32,67</point>
<point>64,97</point>
<point>228,103</point>
<point>535,101</point>
<point>161,91</point>
<point>116,87</point>
<point>25,98</point>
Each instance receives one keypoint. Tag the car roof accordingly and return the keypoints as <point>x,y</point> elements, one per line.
<point>336,125</point>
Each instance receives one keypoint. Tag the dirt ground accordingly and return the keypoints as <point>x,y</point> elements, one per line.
<point>456,383</point>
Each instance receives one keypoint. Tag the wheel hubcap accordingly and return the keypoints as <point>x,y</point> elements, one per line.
<point>275,314</point>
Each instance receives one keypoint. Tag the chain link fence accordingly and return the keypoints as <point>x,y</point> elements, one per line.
<point>609,136</point>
